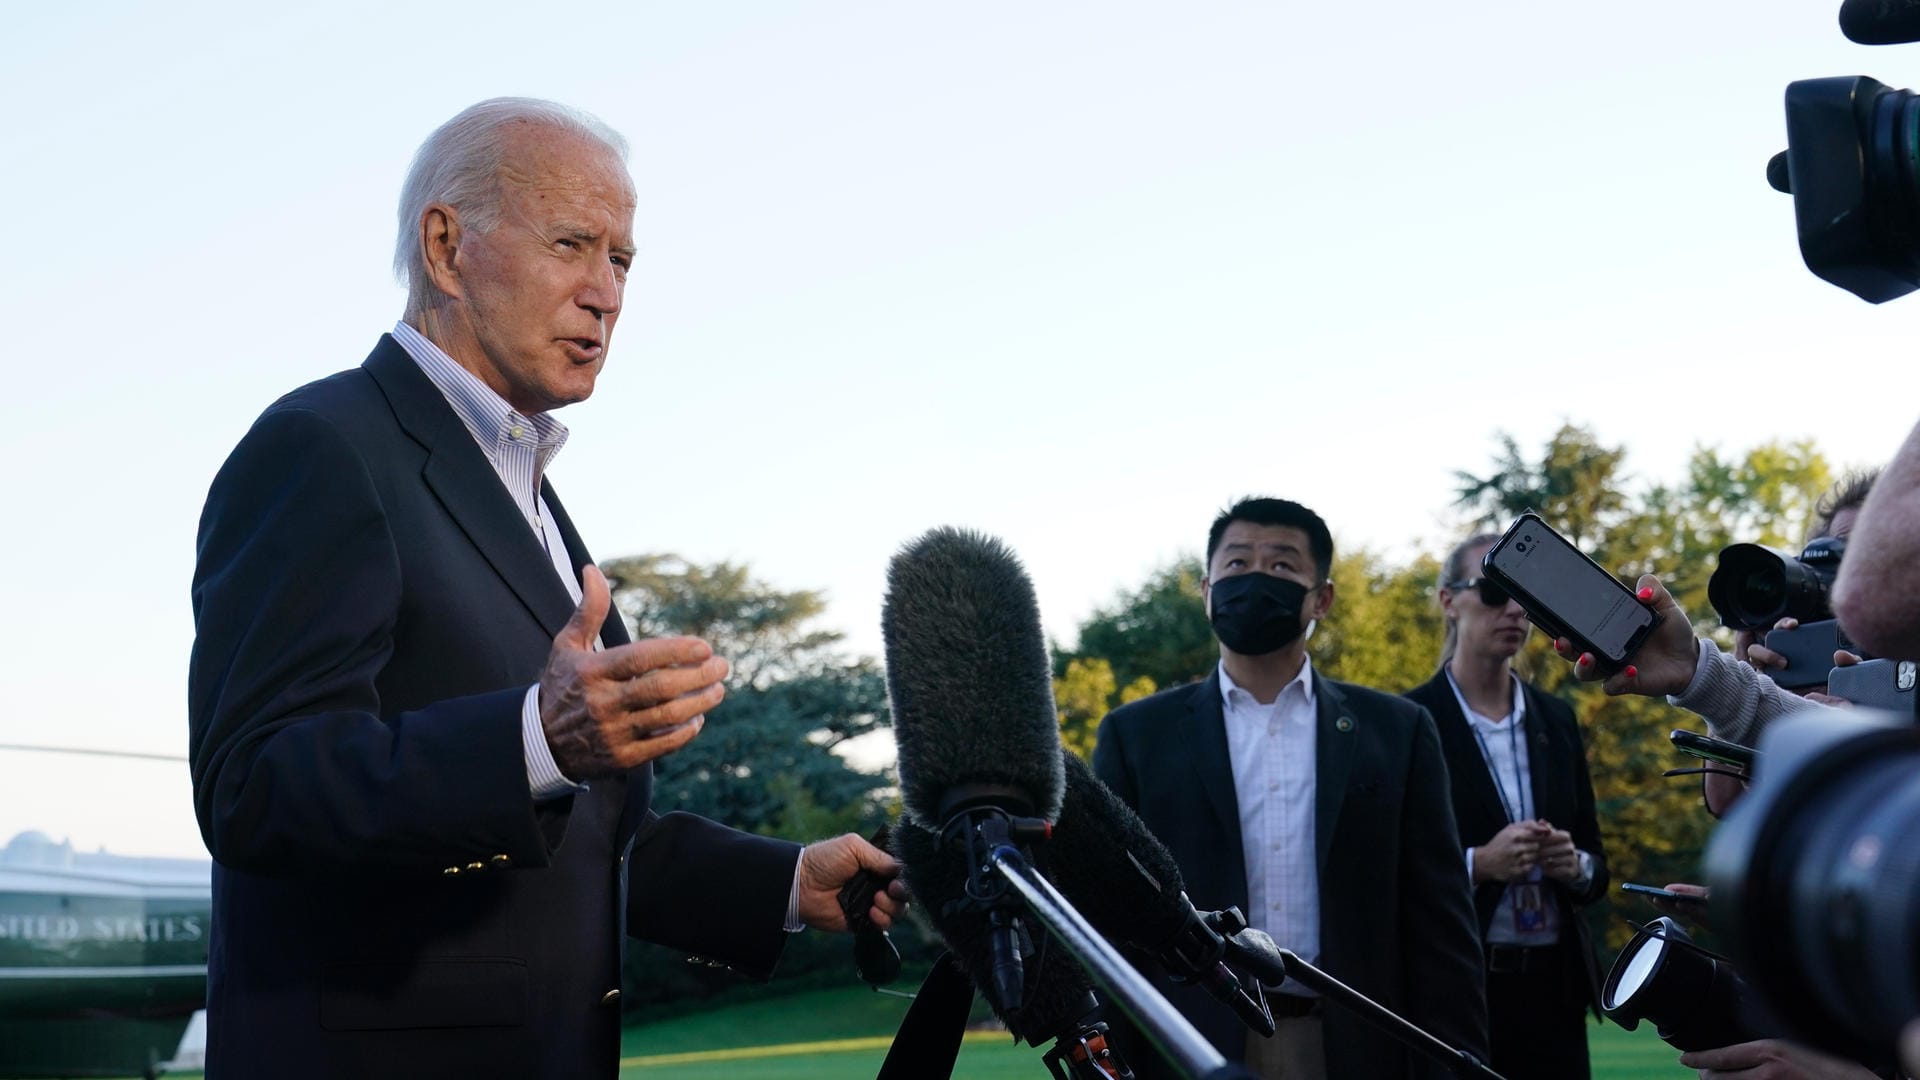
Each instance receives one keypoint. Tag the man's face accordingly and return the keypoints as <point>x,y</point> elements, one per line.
<point>541,290</point>
<point>1280,550</point>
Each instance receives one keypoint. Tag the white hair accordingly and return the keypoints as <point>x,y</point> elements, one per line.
<point>459,165</point>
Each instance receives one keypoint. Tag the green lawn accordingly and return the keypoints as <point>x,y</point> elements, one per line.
<point>783,1029</point>
<point>856,1013</point>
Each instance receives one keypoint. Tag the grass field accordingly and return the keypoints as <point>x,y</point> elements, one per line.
<point>841,1034</point>
<point>783,1036</point>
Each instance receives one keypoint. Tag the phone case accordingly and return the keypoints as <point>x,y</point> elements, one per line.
<point>1809,652</point>
<point>1541,616</point>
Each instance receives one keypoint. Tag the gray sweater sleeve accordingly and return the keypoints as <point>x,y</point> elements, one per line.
<point>1737,701</point>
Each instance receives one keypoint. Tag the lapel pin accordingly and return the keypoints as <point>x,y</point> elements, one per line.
<point>1345,723</point>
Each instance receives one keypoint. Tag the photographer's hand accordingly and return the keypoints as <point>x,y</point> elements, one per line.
<point>1759,656</point>
<point>1666,660</point>
<point>1512,853</point>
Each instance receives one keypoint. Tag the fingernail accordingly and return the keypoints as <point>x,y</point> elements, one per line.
<point>1632,671</point>
<point>1646,593</point>
<point>1562,644</point>
<point>1586,657</point>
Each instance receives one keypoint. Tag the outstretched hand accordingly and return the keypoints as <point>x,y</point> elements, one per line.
<point>606,712</point>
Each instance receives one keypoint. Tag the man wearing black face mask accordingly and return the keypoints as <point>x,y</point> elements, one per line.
<point>1319,808</point>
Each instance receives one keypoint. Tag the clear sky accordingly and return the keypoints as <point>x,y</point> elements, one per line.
<point>1076,274</point>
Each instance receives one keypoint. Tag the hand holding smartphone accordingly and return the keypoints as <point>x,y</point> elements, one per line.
<point>1567,594</point>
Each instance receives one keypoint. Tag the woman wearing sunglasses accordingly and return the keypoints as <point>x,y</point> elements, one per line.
<point>1524,805</point>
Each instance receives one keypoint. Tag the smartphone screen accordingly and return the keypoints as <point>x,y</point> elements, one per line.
<point>1573,589</point>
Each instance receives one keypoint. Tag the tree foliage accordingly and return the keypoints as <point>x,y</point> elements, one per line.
<point>1158,632</point>
<point>1085,693</point>
<point>765,761</point>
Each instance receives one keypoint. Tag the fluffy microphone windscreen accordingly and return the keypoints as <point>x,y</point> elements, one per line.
<point>968,675</point>
<point>1104,860</point>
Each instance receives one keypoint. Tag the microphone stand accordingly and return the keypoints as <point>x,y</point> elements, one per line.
<point>1171,1033</point>
<point>1253,950</point>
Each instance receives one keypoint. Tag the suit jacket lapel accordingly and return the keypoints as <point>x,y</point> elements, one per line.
<point>1458,742</point>
<point>1207,724</point>
<point>465,483</point>
<point>1335,739</point>
<point>614,630</point>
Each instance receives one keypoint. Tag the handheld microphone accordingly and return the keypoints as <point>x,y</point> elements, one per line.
<point>1880,22</point>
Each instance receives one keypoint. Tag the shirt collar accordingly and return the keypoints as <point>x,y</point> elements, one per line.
<point>1516,716</point>
<point>487,416</point>
<point>1304,680</point>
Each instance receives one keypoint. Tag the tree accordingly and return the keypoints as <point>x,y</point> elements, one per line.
<point>1086,693</point>
<point>1158,632</point>
<point>765,762</point>
<point>1385,628</point>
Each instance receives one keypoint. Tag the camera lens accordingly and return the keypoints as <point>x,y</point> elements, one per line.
<point>1816,879</point>
<point>1754,587</point>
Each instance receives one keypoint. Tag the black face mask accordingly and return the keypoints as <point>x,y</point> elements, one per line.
<point>1255,614</point>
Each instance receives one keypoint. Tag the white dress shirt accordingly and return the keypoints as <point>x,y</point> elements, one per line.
<point>1503,747</point>
<point>1272,751</point>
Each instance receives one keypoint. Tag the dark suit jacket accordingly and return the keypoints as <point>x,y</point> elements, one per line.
<point>1396,921</point>
<point>388,901</point>
<point>1562,794</point>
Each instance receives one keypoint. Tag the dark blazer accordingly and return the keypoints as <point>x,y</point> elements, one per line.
<point>370,608</point>
<point>1396,921</point>
<point>1562,794</point>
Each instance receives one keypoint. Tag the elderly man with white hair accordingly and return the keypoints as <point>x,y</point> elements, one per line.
<point>420,737</point>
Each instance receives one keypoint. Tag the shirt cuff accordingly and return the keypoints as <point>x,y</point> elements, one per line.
<point>544,778</point>
<point>1470,852</point>
<point>1585,879</point>
<point>793,924</point>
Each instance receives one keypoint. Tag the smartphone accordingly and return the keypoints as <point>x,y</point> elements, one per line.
<point>1712,749</point>
<point>1809,650</point>
<point>1567,594</point>
<point>1876,684</point>
<point>1661,894</point>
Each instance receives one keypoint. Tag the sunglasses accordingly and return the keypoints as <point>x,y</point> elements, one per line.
<point>1491,594</point>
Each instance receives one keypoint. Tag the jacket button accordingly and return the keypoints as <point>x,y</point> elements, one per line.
<point>500,862</point>
<point>476,866</point>
<point>610,997</point>
<point>451,870</point>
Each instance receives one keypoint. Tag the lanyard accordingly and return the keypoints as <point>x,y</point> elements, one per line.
<point>1521,799</point>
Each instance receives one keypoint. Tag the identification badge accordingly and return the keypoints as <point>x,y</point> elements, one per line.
<point>1529,906</point>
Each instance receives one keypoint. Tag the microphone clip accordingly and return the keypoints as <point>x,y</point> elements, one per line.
<point>1198,953</point>
<point>978,828</point>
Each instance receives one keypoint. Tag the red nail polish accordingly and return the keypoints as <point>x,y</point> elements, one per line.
<point>1646,593</point>
<point>1586,658</point>
<point>1632,671</point>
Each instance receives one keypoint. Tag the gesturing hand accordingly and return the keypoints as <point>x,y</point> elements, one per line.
<point>606,712</point>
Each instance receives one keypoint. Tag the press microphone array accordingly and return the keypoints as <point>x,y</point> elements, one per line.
<point>983,779</point>
<point>1029,867</point>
